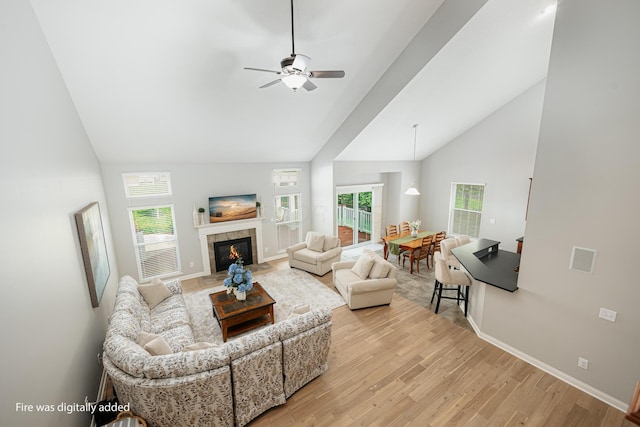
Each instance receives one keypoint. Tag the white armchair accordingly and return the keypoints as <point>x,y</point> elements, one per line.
<point>315,254</point>
<point>368,282</point>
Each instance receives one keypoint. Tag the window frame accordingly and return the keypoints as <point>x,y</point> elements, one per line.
<point>453,209</point>
<point>128,194</point>
<point>289,223</point>
<point>137,245</point>
<point>280,172</point>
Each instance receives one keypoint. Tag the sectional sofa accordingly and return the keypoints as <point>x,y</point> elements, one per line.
<point>213,384</point>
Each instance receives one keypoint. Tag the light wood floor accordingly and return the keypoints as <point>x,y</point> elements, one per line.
<point>403,365</point>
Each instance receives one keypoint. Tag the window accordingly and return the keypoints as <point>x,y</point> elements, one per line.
<point>148,184</point>
<point>285,177</point>
<point>466,209</point>
<point>155,241</point>
<point>288,218</point>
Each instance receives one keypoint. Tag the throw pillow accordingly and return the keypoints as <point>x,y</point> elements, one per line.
<point>297,311</point>
<point>380,269</point>
<point>330,242</point>
<point>145,337</point>
<point>199,346</point>
<point>154,293</point>
<point>362,267</point>
<point>316,242</point>
<point>157,346</point>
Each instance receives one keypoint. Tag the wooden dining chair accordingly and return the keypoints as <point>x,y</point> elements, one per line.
<point>438,237</point>
<point>423,252</point>
<point>390,231</point>
<point>403,228</point>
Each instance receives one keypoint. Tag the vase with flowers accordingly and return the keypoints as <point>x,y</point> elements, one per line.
<point>239,280</point>
<point>415,226</point>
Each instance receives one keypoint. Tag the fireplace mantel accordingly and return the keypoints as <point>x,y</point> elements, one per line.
<point>225,227</point>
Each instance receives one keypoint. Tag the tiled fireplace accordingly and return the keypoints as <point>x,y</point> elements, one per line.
<point>224,234</point>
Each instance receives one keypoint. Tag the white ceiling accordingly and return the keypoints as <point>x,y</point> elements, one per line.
<point>162,81</point>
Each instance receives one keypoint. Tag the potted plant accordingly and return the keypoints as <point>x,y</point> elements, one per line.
<point>239,280</point>
<point>415,226</point>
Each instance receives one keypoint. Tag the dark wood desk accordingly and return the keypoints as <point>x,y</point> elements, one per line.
<point>486,263</point>
<point>236,316</point>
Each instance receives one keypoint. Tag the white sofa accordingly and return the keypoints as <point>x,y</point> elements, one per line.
<point>367,282</point>
<point>225,384</point>
<point>315,254</point>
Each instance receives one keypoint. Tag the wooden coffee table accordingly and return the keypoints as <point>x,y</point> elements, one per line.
<point>236,317</point>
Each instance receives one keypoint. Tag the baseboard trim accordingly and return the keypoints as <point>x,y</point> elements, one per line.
<point>598,394</point>
<point>275,257</point>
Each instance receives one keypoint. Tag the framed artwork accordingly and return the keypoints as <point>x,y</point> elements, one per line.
<point>94,250</point>
<point>231,208</point>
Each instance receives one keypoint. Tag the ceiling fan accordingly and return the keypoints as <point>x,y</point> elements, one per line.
<point>294,72</point>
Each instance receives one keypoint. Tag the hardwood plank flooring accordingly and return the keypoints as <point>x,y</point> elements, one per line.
<point>403,365</point>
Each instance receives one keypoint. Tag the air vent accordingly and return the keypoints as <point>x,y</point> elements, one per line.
<point>582,259</point>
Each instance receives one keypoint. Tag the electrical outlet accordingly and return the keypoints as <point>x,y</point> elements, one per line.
<point>191,264</point>
<point>492,221</point>
<point>583,363</point>
<point>607,314</point>
<point>266,249</point>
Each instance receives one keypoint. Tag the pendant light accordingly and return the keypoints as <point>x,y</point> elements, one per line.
<point>413,191</point>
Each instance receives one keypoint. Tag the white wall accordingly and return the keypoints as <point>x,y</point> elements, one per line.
<point>585,193</point>
<point>498,152</point>
<point>50,333</point>
<point>195,183</point>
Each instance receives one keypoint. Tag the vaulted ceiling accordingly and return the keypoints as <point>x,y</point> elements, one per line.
<point>162,81</point>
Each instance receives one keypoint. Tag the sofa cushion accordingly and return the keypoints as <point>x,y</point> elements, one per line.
<point>178,337</point>
<point>380,269</point>
<point>330,242</point>
<point>307,255</point>
<point>362,267</point>
<point>315,242</point>
<point>154,293</point>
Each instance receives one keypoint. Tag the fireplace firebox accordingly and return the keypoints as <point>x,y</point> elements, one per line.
<point>227,252</point>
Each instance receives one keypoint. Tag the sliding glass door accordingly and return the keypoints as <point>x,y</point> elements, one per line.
<point>354,217</point>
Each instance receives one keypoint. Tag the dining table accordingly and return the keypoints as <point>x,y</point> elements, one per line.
<point>404,242</point>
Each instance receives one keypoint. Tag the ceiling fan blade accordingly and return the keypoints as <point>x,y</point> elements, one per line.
<point>300,62</point>
<point>309,86</point>
<point>262,69</point>
<point>270,84</point>
<point>326,74</point>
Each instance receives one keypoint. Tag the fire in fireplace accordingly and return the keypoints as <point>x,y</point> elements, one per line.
<point>229,251</point>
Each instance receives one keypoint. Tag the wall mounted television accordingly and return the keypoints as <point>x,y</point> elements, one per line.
<point>232,208</point>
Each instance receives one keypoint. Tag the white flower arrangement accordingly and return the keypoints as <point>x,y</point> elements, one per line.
<point>415,225</point>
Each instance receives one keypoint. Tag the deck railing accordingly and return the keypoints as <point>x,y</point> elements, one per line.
<point>346,218</point>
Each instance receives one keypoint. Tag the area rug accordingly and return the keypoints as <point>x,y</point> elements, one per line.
<point>289,288</point>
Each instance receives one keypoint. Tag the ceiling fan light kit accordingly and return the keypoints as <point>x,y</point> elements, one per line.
<point>294,69</point>
<point>294,81</point>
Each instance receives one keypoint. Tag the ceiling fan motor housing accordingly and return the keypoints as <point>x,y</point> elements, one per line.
<point>287,63</point>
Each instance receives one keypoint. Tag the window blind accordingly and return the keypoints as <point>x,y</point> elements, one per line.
<point>155,241</point>
<point>149,184</point>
